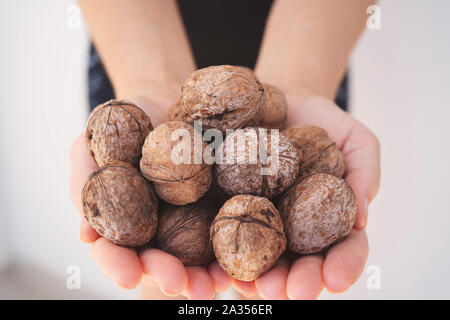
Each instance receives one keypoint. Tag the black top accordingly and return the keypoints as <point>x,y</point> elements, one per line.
<point>219,31</point>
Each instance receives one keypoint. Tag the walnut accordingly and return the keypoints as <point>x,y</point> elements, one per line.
<point>178,178</point>
<point>319,153</point>
<point>175,112</point>
<point>247,153</point>
<point>120,204</point>
<point>116,130</point>
<point>223,97</point>
<point>247,236</point>
<point>276,108</point>
<point>183,231</point>
<point>317,212</point>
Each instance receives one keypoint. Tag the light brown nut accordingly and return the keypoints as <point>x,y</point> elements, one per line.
<point>183,231</point>
<point>319,153</point>
<point>276,108</point>
<point>116,130</point>
<point>247,237</point>
<point>317,211</point>
<point>180,182</point>
<point>175,112</point>
<point>120,204</point>
<point>223,97</point>
<point>240,174</point>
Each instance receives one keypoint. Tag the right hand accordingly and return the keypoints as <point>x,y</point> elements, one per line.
<point>125,266</point>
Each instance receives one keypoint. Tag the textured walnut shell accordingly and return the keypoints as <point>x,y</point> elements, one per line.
<point>175,112</point>
<point>180,183</point>
<point>223,97</point>
<point>247,236</point>
<point>116,130</point>
<point>276,108</point>
<point>183,231</point>
<point>120,204</point>
<point>317,212</point>
<point>319,152</point>
<point>240,176</point>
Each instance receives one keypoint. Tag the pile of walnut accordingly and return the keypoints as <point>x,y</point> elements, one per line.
<point>217,209</point>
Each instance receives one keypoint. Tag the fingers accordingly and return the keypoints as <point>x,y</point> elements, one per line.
<point>272,285</point>
<point>345,261</point>
<point>246,288</point>
<point>305,278</point>
<point>362,155</point>
<point>120,264</point>
<point>200,284</point>
<point>87,233</point>
<point>82,165</point>
<point>166,270</point>
<point>222,281</point>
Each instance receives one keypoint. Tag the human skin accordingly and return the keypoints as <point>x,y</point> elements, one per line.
<point>305,53</point>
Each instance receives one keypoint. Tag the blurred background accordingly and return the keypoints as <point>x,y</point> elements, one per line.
<point>399,80</point>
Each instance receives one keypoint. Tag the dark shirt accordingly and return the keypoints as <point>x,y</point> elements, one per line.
<point>219,31</point>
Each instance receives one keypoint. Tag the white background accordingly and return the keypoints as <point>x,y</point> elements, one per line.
<point>400,88</point>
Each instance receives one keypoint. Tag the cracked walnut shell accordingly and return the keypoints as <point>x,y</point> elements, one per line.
<point>174,163</point>
<point>183,231</point>
<point>116,130</point>
<point>223,97</point>
<point>319,153</point>
<point>120,204</point>
<point>247,236</point>
<point>317,211</point>
<point>247,153</point>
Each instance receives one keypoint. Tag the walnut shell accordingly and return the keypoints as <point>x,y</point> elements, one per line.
<point>116,130</point>
<point>175,112</point>
<point>180,183</point>
<point>319,153</point>
<point>120,204</point>
<point>317,212</point>
<point>183,231</point>
<point>223,97</point>
<point>240,176</point>
<point>247,236</point>
<point>276,108</point>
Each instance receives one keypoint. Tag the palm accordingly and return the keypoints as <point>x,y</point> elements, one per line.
<point>127,267</point>
<point>341,266</point>
<point>304,277</point>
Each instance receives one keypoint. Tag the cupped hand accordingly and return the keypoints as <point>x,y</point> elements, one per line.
<point>341,266</point>
<point>127,267</point>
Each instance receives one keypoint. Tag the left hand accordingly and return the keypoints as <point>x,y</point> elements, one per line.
<point>343,263</point>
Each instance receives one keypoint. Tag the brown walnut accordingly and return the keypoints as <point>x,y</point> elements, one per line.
<point>120,204</point>
<point>317,211</point>
<point>223,97</point>
<point>242,170</point>
<point>247,236</point>
<point>276,108</point>
<point>179,182</point>
<point>183,231</point>
<point>116,130</point>
<point>319,153</point>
